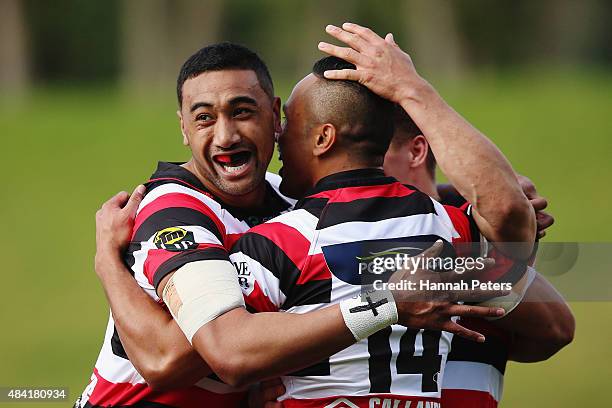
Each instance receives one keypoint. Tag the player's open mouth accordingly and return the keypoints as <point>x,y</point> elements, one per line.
<point>234,163</point>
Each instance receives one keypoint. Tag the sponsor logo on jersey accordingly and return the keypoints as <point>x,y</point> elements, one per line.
<point>174,239</point>
<point>380,402</point>
<point>362,262</point>
<point>243,273</point>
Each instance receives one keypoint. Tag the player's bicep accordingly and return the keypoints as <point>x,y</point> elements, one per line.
<point>198,292</point>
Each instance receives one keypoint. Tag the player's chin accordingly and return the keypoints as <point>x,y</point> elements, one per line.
<point>243,184</point>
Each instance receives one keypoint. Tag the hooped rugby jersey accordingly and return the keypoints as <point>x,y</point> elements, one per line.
<point>309,258</point>
<point>474,374</point>
<point>178,222</point>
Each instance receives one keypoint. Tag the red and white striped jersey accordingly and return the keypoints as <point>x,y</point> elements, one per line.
<point>474,374</point>
<point>177,222</point>
<point>308,258</point>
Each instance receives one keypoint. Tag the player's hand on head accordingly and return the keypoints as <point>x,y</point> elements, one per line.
<point>115,220</point>
<point>380,64</point>
<point>264,394</point>
<point>539,204</point>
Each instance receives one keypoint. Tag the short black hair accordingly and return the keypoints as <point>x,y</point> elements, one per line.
<point>224,56</point>
<point>363,119</point>
<point>406,130</point>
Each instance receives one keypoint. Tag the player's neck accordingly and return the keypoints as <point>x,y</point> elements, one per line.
<point>420,178</point>
<point>428,186</point>
<point>328,167</point>
<point>426,183</point>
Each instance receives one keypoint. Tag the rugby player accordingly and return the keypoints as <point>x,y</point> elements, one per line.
<point>189,218</point>
<point>494,156</point>
<point>536,329</point>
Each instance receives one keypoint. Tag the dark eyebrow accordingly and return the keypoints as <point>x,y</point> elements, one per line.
<point>234,101</point>
<point>243,99</point>
<point>199,105</point>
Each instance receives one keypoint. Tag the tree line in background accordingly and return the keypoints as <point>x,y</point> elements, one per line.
<point>142,43</point>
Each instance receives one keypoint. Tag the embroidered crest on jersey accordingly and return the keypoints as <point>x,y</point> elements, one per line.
<point>174,239</point>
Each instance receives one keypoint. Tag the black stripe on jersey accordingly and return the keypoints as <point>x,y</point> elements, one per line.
<point>376,209</point>
<point>251,309</point>
<point>184,257</point>
<point>321,368</point>
<point>117,346</point>
<point>174,172</point>
<point>176,180</point>
<point>309,293</point>
<point>128,257</point>
<point>379,361</point>
<point>453,199</point>
<point>474,231</point>
<point>270,256</point>
<point>493,352</point>
<point>175,217</point>
<point>314,206</point>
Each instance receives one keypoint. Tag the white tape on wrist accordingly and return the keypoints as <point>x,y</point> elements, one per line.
<point>369,313</point>
<point>514,298</point>
<point>201,291</point>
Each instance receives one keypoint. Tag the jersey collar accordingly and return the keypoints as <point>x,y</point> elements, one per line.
<point>273,204</point>
<point>351,178</point>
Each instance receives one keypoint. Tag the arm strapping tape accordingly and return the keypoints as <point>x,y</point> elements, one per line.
<point>201,291</point>
<point>368,313</point>
<point>512,300</point>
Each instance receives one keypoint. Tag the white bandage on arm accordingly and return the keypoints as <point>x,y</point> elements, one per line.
<point>369,313</point>
<point>512,300</point>
<point>199,292</point>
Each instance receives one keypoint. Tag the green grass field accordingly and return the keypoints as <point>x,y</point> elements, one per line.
<point>66,151</point>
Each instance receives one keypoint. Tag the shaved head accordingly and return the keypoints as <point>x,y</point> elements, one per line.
<point>363,120</point>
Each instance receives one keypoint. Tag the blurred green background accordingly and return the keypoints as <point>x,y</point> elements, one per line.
<point>87,107</point>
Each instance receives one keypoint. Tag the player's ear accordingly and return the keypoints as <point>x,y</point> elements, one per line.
<point>276,109</point>
<point>324,139</point>
<point>185,139</point>
<point>418,151</point>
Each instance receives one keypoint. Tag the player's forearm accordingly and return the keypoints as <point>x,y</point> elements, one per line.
<point>243,348</point>
<point>153,341</point>
<point>473,164</point>
<point>542,324</point>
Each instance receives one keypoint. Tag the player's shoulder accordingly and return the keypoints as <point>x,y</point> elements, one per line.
<point>173,199</point>
<point>290,232</point>
<point>171,185</point>
<point>287,225</point>
<point>274,180</point>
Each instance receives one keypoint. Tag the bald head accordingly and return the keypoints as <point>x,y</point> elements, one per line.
<point>363,120</point>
